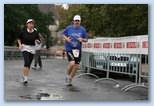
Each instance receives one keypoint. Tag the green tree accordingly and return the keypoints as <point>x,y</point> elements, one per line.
<point>15,16</point>
<point>110,19</point>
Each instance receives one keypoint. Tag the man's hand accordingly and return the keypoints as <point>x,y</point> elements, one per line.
<point>80,39</point>
<point>68,39</point>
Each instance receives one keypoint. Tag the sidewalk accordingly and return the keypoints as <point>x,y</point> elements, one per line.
<point>49,84</point>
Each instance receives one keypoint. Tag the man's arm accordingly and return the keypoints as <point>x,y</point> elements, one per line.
<point>82,40</point>
<point>84,37</point>
<point>67,38</point>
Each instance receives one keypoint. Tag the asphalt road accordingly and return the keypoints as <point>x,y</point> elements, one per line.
<point>49,84</point>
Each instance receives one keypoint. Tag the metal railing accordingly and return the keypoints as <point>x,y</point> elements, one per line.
<point>12,53</point>
<point>118,63</point>
<point>143,75</point>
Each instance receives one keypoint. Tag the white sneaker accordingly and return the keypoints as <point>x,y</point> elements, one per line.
<point>25,81</point>
<point>68,81</point>
<point>34,68</point>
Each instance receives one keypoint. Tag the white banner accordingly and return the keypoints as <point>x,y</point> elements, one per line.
<point>129,45</point>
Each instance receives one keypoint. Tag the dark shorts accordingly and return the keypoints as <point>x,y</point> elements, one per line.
<point>71,57</point>
<point>28,57</point>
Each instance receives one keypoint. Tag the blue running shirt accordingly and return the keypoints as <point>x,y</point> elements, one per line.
<point>74,33</point>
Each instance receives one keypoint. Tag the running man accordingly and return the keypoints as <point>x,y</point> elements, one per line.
<point>26,42</point>
<point>74,35</point>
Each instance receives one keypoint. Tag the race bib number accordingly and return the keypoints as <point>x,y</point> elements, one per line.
<point>75,52</point>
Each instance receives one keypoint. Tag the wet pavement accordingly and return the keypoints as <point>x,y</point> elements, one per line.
<point>49,84</point>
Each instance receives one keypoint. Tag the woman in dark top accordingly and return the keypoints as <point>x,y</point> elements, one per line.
<point>27,39</point>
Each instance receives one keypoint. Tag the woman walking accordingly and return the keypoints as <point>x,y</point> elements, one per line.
<point>26,42</point>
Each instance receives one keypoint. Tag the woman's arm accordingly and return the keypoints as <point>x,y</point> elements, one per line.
<point>38,39</point>
<point>19,43</point>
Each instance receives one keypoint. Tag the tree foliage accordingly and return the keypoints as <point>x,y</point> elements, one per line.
<point>15,16</point>
<point>110,19</point>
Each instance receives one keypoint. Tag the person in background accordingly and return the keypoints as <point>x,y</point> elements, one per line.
<point>37,56</point>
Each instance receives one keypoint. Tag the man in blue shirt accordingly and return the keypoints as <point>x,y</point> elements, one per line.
<point>74,35</point>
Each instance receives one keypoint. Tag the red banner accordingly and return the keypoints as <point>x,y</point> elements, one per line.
<point>145,44</point>
<point>117,45</point>
<point>131,45</point>
<point>106,45</point>
<point>97,45</point>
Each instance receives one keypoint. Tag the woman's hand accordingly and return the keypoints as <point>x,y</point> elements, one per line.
<point>20,47</point>
<point>38,42</point>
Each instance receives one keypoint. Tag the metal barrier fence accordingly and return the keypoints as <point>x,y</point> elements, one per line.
<point>143,74</point>
<point>14,54</point>
<point>119,63</point>
<point>11,53</point>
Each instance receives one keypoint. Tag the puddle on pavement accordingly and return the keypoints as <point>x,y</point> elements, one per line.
<point>43,96</point>
<point>53,96</point>
<point>40,95</point>
<point>26,97</point>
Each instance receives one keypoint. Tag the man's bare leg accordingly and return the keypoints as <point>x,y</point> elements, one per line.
<point>74,69</point>
<point>70,67</point>
<point>69,71</point>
